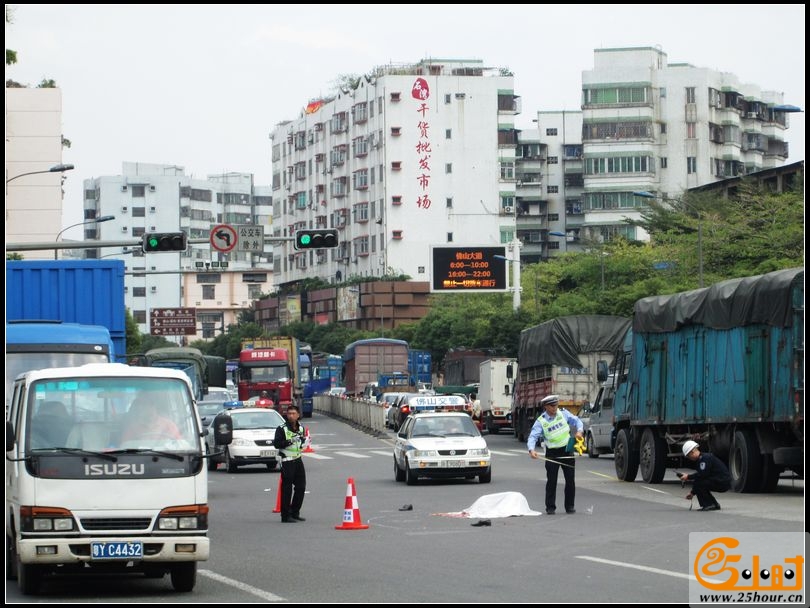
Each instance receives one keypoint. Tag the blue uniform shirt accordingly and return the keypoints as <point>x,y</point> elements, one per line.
<point>536,434</point>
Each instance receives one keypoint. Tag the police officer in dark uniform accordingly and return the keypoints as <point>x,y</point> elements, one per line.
<point>291,439</point>
<point>712,475</point>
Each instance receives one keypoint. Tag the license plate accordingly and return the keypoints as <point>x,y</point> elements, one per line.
<point>267,453</point>
<point>117,550</point>
<point>454,464</point>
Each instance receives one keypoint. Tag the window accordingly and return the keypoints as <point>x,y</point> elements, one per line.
<point>449,237</point>
<point>139,212</point>
<point>396,165</point>
<point>396,131</point>
<point>663,162</point>
<point>138,191</point>
<point>360,179</point>
<point>139,316</point>
<point>209,277</point>
<point>394,97</point>
<point>448,133</point>
<point>396,200</point>
<point>553,189</point>
<point>663,128</point>
<point>139,292</point>
<point>254,277</point>
<point>691,130</point>
<point>553,160</point>
<point>690,94</point>
<point>209,292</point>
<point>448,168</point>
<point>551,131</point>
<point>507,170</point>
<point>448,203</point>
<point>691,164</point>
<point>553,217</point>
<point>447,98</point>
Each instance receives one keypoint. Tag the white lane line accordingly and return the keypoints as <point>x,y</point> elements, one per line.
<point>610,562</point>
<point>353,455</point>
<point>265,595</point>
<point>316,456</point>
<point>381,453</point>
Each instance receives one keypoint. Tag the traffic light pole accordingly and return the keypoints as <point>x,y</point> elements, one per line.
<point>50,245</point>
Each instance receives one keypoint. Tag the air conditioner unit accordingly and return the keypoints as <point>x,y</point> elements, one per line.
<point>153,289</point>
<point>151,188</point>
<point>508,209</point>
<point>123,209</point>
<point>124,188</point>
<point>124,228</point>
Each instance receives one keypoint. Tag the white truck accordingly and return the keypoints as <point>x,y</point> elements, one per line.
<point>496,384</point>
<point>92,487</point>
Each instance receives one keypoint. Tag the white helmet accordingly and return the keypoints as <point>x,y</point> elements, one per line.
<point>689,446</point>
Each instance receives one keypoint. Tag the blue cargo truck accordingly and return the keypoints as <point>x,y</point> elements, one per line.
<point>722,365</point>
<point>63,313</point>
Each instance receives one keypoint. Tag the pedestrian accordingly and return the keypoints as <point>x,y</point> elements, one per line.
<point>265,400</point>
<point>712,475</point>
<point>553,426</point>
<point>291,439</point>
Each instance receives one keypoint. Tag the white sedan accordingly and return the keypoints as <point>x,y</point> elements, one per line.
<point>441,445</point>
<point>254,429</point>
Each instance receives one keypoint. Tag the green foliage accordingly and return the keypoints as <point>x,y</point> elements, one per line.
<point>47,83</point>
<point>11,57</point>
<point>133,334</point>
<point>14,256</point>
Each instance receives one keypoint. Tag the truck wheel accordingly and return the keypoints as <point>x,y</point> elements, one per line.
<point>592,453</point>
<point>184,576</point>
<point>652,457</point>
<point>745,462</point>
<point>770,474</point>
<point>624,458</point>
<point>29,578</point>
<point>11,559</point>
<point>491,426</point>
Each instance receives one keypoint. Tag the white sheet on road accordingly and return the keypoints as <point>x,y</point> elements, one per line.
<point>503,504</point>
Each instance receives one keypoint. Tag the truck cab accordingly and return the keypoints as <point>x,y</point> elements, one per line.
<point>599,435</point>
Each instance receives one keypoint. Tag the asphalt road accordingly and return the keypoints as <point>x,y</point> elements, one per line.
<point>628,542</point>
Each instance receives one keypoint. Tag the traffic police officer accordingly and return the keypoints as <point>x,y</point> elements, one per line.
<point>291,440</point>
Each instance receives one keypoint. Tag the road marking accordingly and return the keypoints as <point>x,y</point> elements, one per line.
<point>316,456</point>
<point>610,562</point>
<point>353,455</point>
<point>380,453</point>
<point>654,489</point>
<point>265,595</point>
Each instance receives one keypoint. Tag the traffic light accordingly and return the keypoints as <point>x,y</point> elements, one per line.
<point>316,239</point>
<point>164,241</point>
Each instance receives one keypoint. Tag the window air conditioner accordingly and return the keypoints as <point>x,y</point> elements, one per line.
<point>153,289</point>
<point>508,209</point>
<point>124,228</point>
<point>123,209</point>
<point>151,188</point>
<point>124,188</point>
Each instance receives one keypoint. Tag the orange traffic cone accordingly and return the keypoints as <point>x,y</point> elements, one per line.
<point>278,496</point>
<point>308,441</point>
<point>351,510</point>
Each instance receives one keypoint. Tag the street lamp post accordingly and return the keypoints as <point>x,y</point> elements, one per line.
<point>98,220</point>
<point>699,233</point>
<point>515,246</point>
<point>55,169</point>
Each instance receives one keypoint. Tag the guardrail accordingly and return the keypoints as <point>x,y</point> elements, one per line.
<point>367,415</point>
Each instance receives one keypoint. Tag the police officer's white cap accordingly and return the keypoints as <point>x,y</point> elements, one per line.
<point>689,446</point>
<point>550,400</point>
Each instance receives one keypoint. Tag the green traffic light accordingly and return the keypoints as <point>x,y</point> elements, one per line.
<point>305,239</point>
<point>153,242</point>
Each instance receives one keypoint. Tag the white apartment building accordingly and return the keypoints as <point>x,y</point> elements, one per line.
<point>33,146</point>
<point>162,198</point>
<point>662,128</point>
<point>416,155</point>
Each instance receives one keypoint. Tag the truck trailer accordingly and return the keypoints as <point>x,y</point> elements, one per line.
<point>723,366</point>
<point>364,361</point>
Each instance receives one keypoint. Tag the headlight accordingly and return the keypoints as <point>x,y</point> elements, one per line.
<point>425,453</point>
<point>478,452</point>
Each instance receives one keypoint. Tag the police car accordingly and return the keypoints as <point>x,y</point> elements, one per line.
<point>441,444</point>
<point>253,431</point>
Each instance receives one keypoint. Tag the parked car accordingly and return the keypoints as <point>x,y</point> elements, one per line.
<point>387,401</point>
<point>337,391</point>
<point>441,445</point>
<point>209,409</point>
<point>253,431</point>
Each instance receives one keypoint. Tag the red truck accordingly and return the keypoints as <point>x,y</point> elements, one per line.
<point>266,369</point>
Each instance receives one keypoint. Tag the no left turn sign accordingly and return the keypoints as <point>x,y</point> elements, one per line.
<point>223,238</point>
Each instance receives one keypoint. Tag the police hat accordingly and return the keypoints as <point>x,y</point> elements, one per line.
<point>550,400</point>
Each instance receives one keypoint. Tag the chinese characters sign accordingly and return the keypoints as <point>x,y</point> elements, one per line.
<point>468,269</point>
<point>421,92</point>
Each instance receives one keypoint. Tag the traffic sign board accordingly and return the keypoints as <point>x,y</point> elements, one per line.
<point>173,321</point>
<point>251,238</point>
<point>223,238</point>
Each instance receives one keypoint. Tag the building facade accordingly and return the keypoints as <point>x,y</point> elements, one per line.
<point>148,198</point>
<point>412,156</point>
<point>33,146</point>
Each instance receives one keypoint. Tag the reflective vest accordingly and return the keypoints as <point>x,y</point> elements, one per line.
<point>293,451</point>
<point>556,431</point>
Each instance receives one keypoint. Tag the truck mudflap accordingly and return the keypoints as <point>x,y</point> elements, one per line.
<point>142,549</point>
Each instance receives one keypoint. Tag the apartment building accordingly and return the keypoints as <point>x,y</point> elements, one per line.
<point>410,156</point>
<point>163,198</point>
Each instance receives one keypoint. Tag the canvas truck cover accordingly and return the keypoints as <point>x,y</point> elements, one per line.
<point>560,341</point>
<point>762,299</point>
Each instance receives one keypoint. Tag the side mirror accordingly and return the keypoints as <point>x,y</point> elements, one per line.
<point>223,429</point>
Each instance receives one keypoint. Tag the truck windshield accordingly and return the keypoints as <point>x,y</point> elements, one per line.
<point>19,363</point>
<point>275,373</point>
<point>103,414</point>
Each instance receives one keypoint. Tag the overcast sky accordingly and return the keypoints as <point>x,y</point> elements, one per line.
<point>203,86</point>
